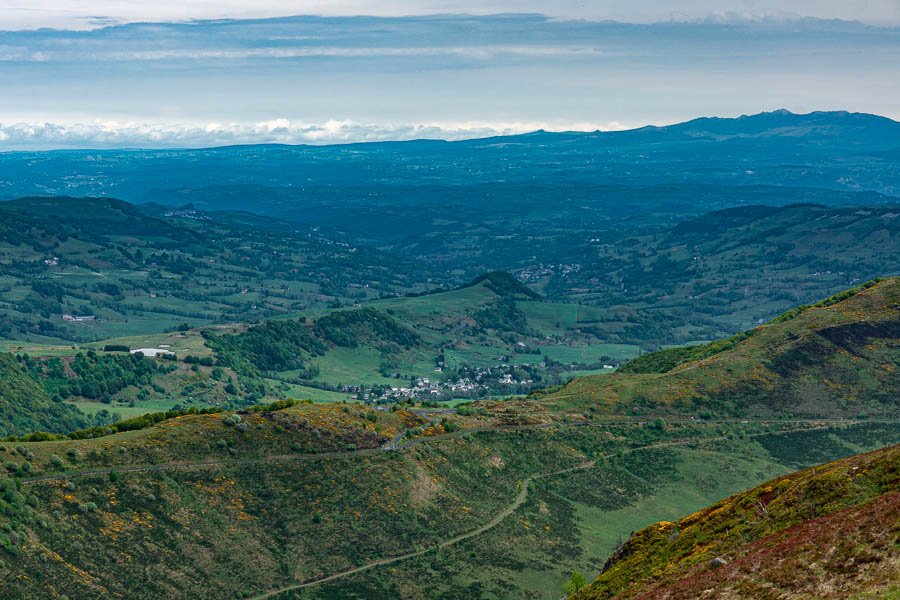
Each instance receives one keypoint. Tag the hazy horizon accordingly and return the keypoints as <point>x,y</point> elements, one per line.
<point>322,80</point>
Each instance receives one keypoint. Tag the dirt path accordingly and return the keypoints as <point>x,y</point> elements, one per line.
<point>391,446</point>
<point>496,520</point>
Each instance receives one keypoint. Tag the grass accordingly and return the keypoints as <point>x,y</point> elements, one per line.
<point>370,506</point>
<point>692,486</point>
<point>302,392</point>
<point>591,354</point>
<point>839,516</point>
<point>351,366</point>
<point>125,411</point>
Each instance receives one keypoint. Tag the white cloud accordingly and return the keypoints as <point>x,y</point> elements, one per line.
<point>477,52</point>
<point>83,14</point>
<point>114,134</point>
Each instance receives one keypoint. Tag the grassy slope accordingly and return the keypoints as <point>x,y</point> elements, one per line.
<point>183,531</point>
<point>831,531</point>
<point>175,532</point>
<point>736,266</point>
<point>141,273</point>
<point>25,406</point>
<point>834,361</point>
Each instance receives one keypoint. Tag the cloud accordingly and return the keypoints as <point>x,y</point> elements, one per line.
<point>102,134</point>
<point>476,52</point>
<point>86,14</point>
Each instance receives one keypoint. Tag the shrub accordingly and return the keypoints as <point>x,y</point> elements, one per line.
<point>232,419</point>
<point>55,461</point>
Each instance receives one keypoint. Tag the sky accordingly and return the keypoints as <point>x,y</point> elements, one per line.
<point>114,73</point>
<point>85,14</point>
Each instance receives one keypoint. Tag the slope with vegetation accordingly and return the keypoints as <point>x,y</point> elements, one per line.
<point>499,500</point>
<point>733,268</point>
<point>26,406</point>
<point>834,359</point>
<point>830,531</point>
<point>143,271</point>
<point>310,491</point>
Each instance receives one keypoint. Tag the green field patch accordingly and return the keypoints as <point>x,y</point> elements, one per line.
<point>303,392</point>
<point>590,354</point>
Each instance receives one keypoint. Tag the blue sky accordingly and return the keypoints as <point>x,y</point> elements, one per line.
<point>105,81</point>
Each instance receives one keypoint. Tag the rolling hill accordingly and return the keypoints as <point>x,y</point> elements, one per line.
<point>140,271</point>
<point>835,150</point>
<point>837,358</point>
<point>739,266</point>
<point>500,499</point>
<point>830,531</point>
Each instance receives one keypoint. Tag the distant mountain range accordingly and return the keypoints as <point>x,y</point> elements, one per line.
<point>834,150</point>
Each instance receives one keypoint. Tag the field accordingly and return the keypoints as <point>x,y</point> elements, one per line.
<point>145,272</point>
<point>501,498</point>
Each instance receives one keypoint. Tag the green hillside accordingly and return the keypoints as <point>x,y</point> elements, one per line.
<point>499,499</point>
<point>137,272</point>
<point>830,531</point>
<point>837,358</point>
<point>26,406</point>
<point>734,268</point>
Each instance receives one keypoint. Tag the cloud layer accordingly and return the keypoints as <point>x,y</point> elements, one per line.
<point>322,80</point>
<point>85,14</point>
<point>111,134</point>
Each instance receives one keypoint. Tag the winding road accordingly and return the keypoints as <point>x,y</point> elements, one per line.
<point>393,445</point>
<point>496,520</point>
<point>520,498</point>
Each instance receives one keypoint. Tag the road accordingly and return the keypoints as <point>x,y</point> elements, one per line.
<point>496,520</point>
<point>394,446</point>
<point>390,446</point>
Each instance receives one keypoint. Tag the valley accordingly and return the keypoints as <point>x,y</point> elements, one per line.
<point>498,497</point>
<point>517,367</point>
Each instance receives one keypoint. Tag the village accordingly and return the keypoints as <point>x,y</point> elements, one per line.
<point>477,382</point>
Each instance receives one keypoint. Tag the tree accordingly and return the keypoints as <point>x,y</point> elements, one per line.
<point>576,582</point>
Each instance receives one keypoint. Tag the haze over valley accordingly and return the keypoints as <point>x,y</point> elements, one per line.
<point>373,300</point>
